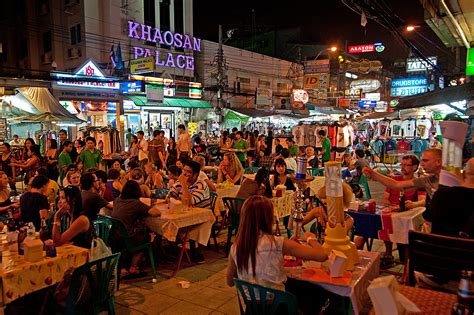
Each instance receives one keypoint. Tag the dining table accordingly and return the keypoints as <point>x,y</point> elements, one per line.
<point>428,301</point>
<point>353,284</point>
<point>19,277</point>
<point>190,224</point>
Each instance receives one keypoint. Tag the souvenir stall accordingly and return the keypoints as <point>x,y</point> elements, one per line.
<point>107,138</point>
<point>340,134</point>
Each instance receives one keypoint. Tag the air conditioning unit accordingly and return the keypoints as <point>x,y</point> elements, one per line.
<point>236,87</point>
<point>46,58</point>
<point>285,103</point>
<point>73,53</point>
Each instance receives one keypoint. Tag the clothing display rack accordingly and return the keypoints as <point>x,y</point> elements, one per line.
<point>107,138</point>
<point>42,137</point>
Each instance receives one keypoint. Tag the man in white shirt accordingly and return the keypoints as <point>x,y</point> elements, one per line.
<point>290,162</point>
<point>142,149</point>
<point>16,140</point>
<point>184,144</point>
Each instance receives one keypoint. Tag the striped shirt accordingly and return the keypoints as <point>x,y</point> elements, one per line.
<point>199,190</point>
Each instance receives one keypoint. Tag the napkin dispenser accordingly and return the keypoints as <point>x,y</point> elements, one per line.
<point>176,205</point>
<point>386,299</point>
<point>33,249</point>
<point>337,263</point>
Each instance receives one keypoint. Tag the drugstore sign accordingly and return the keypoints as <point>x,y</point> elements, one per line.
<point>409,86</point>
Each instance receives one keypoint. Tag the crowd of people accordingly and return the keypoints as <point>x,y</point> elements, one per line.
<point>69,181</point>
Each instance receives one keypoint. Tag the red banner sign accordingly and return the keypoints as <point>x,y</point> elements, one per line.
<point>361,48</point>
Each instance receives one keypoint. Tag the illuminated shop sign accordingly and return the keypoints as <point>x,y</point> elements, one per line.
<point>378,47</point>
<point>79,79</point>
<point>366,85</point>
<point>155,35</point>
<point>367,104</point>
<point>418,64</point>
<point>131,87</point>
<point>409,86</point>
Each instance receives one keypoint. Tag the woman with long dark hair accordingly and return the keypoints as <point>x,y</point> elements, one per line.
<point>257,255</point>
<point>51,157</point>
<point>31,160</point>
<point>258,186</point>
<point>280,175</point>
<point>81,231</point>
<point>171,153</point>
<point>5,165</point>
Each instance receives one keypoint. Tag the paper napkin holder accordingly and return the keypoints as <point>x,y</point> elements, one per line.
<point>386,299</point>
<point>33,249</point>
<point>337,263</point>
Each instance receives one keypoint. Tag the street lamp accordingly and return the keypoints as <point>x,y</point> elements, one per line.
<point>410,28</point>
<point>328,49</point>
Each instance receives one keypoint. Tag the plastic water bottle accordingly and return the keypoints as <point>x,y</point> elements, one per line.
<point>30,232</point>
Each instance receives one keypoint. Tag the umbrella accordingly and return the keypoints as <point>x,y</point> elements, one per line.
<point>48,117</point>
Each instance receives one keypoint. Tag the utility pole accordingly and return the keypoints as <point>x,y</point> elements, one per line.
<point>221,72</point>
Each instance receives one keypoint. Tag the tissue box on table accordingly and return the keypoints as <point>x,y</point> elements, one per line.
<point>33,249</point>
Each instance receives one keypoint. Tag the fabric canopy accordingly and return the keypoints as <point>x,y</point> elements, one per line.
<point>45,102</point>
<point>141,100</point>
<point>251,112</point>
<point>444,96</point>
<point>47,118</point>
<point>232,115</point>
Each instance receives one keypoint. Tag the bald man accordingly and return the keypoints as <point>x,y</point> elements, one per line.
<point>452,208</point>
<point>431,164</point>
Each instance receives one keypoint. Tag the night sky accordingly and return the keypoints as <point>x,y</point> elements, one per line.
<point>327,22</point>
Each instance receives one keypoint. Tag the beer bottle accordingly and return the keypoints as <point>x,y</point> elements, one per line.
<point>465,303</point>
<point>402,201</point>
<point>43,233</point>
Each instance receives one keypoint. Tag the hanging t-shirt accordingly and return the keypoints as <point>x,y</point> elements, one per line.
<point>409,128</point>
<point>425,145</point>
<point>384,127</point>
<point>423,127</point>
<point>343,137</point>
<point>390,145</point>
<point>311,135</point>
<point>317,143</point>
<point>376,146</point>
<point>403,146</point>
<point>332,135</point>
<point>417,146</point>
<point>396,128</point>
<point>298,135</point>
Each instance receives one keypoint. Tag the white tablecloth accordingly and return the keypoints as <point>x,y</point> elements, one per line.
<point>397,224</point>
<point>199,220</point>
<point>316,185</point>
<point>365,272</point>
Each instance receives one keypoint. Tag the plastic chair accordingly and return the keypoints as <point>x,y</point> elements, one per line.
<point>161,193</point>
<point>215,228</point>
<point>365,184</point>
<point>98,274</point>
<point>118,229</point>
<point>234,205</point>
<point>367,225</point>
<point>251,170</point>
<point>438,255</point>
<point>65,223</point>
<point>262,300</point>
<point>102,229</point>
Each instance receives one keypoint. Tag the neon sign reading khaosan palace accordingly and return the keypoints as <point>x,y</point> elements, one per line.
<point>155,35</point>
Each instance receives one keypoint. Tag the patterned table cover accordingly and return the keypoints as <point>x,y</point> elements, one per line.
<point>169,223</point>
<point>282,206</point>
<point>428,301</point>
<point>19,277</point>
<point>365,272</point>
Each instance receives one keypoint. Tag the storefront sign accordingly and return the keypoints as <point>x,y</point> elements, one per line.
<point>371,96</point>
<point>378,47</point>
<point>264,97</point>
<point>344,102</point>
<point>316,81</point>
<point>366,85</point>
<point>353,93</point>
<point>131,87</point>
<point>155,94</point>
<point>364,66</point>
<point>166,59</point>
<point>299,98</point>
<point>316,66</point>
<point>470,62</point>
<point>381,106</point>
<point>80,78</point>
<point>82,95</point>
<point>367,104</point>
<point>409,86</point>
<point>418,64</point>
<point>141,65</point>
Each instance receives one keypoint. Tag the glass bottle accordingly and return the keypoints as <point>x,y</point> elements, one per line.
<point>465,303</point>
<point>402,201</point>
<point>43,233</point>
<point>21,237</point>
